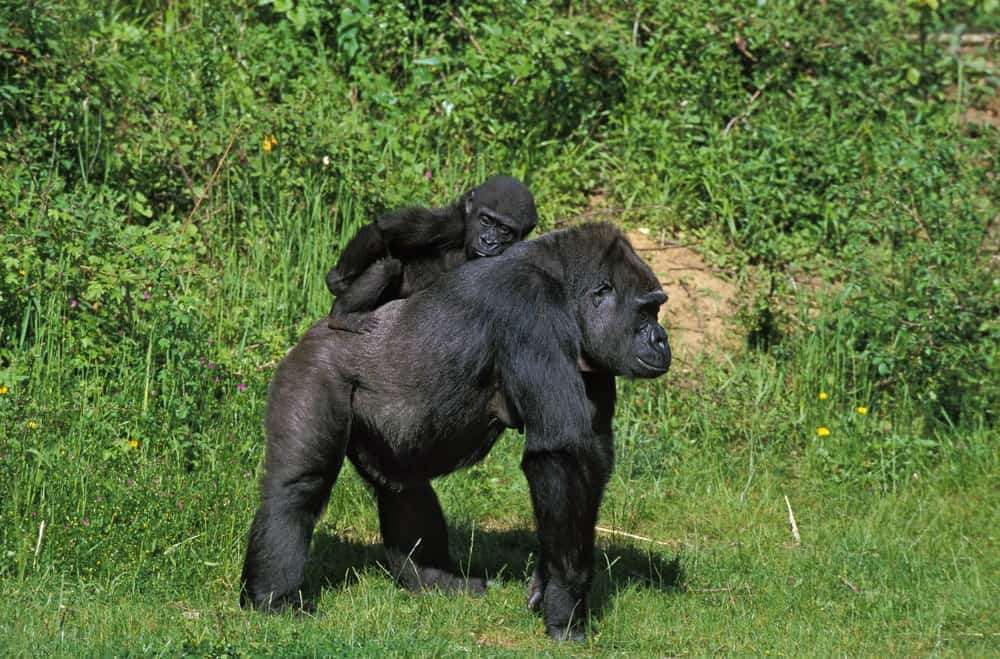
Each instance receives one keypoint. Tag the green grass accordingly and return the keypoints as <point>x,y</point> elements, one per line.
<point>905,566</point>
<point>922,558</point>
<point>156,262</point>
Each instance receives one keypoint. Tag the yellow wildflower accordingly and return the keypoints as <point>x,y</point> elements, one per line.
<point>270,141</point>
<point>134,443</point>
<point>822,431</point>
<point>32,425</point>
<point>862,409</point>
<point>823,395</point>
<point>4,390</point>
<point>22,272</point>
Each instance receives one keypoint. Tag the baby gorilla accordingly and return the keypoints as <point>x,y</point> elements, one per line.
<point>404,251</point>
<point>494,344</point>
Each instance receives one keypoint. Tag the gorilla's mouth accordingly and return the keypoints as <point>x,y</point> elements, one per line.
<point>658,369</point>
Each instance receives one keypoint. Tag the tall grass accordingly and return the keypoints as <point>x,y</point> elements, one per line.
<point>157,262</point>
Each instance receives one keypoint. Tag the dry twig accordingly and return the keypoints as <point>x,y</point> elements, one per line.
<point>461,25</point>
<point>741,115</point>
<point>607,531</point>
<point>791,520</point>
<point>38,543</point>
<point>850,585</point>
<point>211,180</point>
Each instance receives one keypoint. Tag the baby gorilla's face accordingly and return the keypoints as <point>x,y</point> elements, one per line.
<point>498,213</point>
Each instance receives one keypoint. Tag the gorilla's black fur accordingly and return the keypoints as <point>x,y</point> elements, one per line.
<point>403,251</point>
<point>494,344</point>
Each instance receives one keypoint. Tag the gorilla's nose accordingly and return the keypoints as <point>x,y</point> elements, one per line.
<point>660,339</point>
<point>662,345</point>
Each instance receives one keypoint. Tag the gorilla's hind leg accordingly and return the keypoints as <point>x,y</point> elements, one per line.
<point>416,541</point>
<point>279,543</point>
<point>307,429</point>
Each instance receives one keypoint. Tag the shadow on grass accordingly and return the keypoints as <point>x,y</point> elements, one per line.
<point>506,556</point>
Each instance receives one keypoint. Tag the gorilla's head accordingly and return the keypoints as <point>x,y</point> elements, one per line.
<point>498,213</point>
<point>618,299</point>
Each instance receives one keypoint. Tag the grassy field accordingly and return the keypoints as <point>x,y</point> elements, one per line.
<point>176,178</point>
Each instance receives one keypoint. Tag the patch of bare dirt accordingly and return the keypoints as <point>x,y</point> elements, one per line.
<point>988,112</point>
<point>979,51</point>
<point>700,314</point>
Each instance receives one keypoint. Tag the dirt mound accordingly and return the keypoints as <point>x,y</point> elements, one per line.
<point>700,315</point>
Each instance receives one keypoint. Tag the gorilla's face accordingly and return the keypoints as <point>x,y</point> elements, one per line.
<point>493,233</point>
<point>498,213</point>
<point>618,316</point>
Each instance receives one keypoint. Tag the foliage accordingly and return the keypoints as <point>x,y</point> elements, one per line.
<point>175,179</point>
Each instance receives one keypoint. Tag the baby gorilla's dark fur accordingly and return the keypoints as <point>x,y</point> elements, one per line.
<point>495,344</point>
<point>404,251</point>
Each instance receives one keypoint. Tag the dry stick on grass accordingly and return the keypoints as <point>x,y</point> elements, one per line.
<point>791,520</point>
<point>461,25</point>
<point>208,187</point>
<point>851,586</point>
<point>625,534</point>
<point>211,180</point>
<point>38,543</point>
<point>742,115</point>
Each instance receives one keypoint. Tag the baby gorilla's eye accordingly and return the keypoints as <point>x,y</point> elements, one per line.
<point>484,220</point>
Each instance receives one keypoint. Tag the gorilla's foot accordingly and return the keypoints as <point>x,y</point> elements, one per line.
<point>295,603</point>
<point>567,633</point>
<point>416,577</point>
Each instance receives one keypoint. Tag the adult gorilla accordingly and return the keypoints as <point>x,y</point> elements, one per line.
<point>404,251</point>
<point>496,343</point>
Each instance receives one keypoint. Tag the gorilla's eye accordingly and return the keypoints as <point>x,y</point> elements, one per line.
<point>504,230</point>
<point>602,290</point>
<point>484,220</point>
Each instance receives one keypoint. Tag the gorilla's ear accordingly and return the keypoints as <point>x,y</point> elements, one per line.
<point>468,201</point>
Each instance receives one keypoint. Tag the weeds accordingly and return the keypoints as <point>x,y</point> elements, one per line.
<point>175,182</point>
